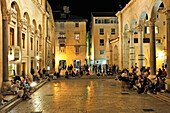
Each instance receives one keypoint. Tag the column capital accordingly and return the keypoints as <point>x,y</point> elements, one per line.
<point>140,27</point>
<point>20,23</point>
<point>132,30</point>
<point>7,15</point>
<point>29,28</point>
<point>152,22</point>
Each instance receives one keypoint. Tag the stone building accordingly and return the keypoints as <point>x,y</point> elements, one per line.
<point>144,31</point>
<point>22,37</point>
<point>104,27</point>
<point>50,41</point>
<point>70,40</point>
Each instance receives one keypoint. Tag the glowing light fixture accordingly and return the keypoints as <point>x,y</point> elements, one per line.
<point>33,84</point>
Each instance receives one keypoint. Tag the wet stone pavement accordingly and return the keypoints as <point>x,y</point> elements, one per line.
<point>89,96</point>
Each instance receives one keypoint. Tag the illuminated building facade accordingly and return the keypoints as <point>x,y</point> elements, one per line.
<point>70,41</point>
<point>104,27</point>
<point>23,33</point>
<point>144,28</point>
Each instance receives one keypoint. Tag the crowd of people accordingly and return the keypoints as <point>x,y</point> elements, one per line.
<point>21,84</point>
<point>142,80</point>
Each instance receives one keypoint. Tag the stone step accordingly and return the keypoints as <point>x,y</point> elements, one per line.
<point>15,101</point>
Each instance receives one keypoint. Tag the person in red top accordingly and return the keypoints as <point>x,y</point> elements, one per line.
<point>164,74</point>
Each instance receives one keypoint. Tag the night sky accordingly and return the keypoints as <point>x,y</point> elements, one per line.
<point>83,8</point>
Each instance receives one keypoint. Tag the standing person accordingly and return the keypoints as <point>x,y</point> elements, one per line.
<point>59,69</point>
<point>159,73</point>
<point>40,73</point>
<point>114,68</point>
<point>71,67</point>
<point>68,68</point>
<point>32,71</point>
<point>44,72</point>
<point>106,69</point>
<point>100,68</point>
<point>117,68</point>
<point>66,74</point>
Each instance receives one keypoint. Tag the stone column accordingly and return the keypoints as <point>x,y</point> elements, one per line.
<point>28,50</point>
<point>19,36</point>
<point>152,48</point>
<point>5,48</point>
<point>168,42</point>
<point>140,46</point>
<point>40,49</point>
<point>35,51</point>
<point>131,50</point>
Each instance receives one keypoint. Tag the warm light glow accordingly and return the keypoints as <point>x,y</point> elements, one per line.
<point>160,55</point>
<point>37,57</point>
<point>10,57</point>
<point>33,84</point>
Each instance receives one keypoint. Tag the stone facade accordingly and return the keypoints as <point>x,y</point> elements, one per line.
<point>104,29</point>
<point>24,30</point>
<point>70,41</point>
<point>144,24</point>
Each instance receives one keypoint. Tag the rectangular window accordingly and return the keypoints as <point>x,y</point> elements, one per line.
<point>62,25</point>
<point>76,24</point>
<point>77,49</point>
<point>23,40</point>
<point>147,31</point>
<point>156,29</point>
<point>101,31</point>
<point>11,36</point>
<point>62,64</point>
<point>31,43</point>
<point>37,46</point>
<point>101,52</point>
<point>62,48</point>
<point>96,21</point>
<point>101,42</point>
<point>135,40</point>
<point>112,31</point>
<point>146,40</point>
<point>77,36</point>
<point>164,23</point>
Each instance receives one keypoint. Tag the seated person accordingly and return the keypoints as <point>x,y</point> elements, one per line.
<point>20,92</point>
<point>14,88</point>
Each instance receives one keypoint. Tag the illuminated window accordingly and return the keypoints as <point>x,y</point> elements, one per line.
<point>101,31</point>
<point>62,48</point>
<point>77,36</point>
<point>101,42</point>
<point>23,40</point>
<point>62,63</point>
<point>112,31</point>
<point>147,31</point>
<point>156,29</point>
<point>31,43</point>
<point>11,36</point>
